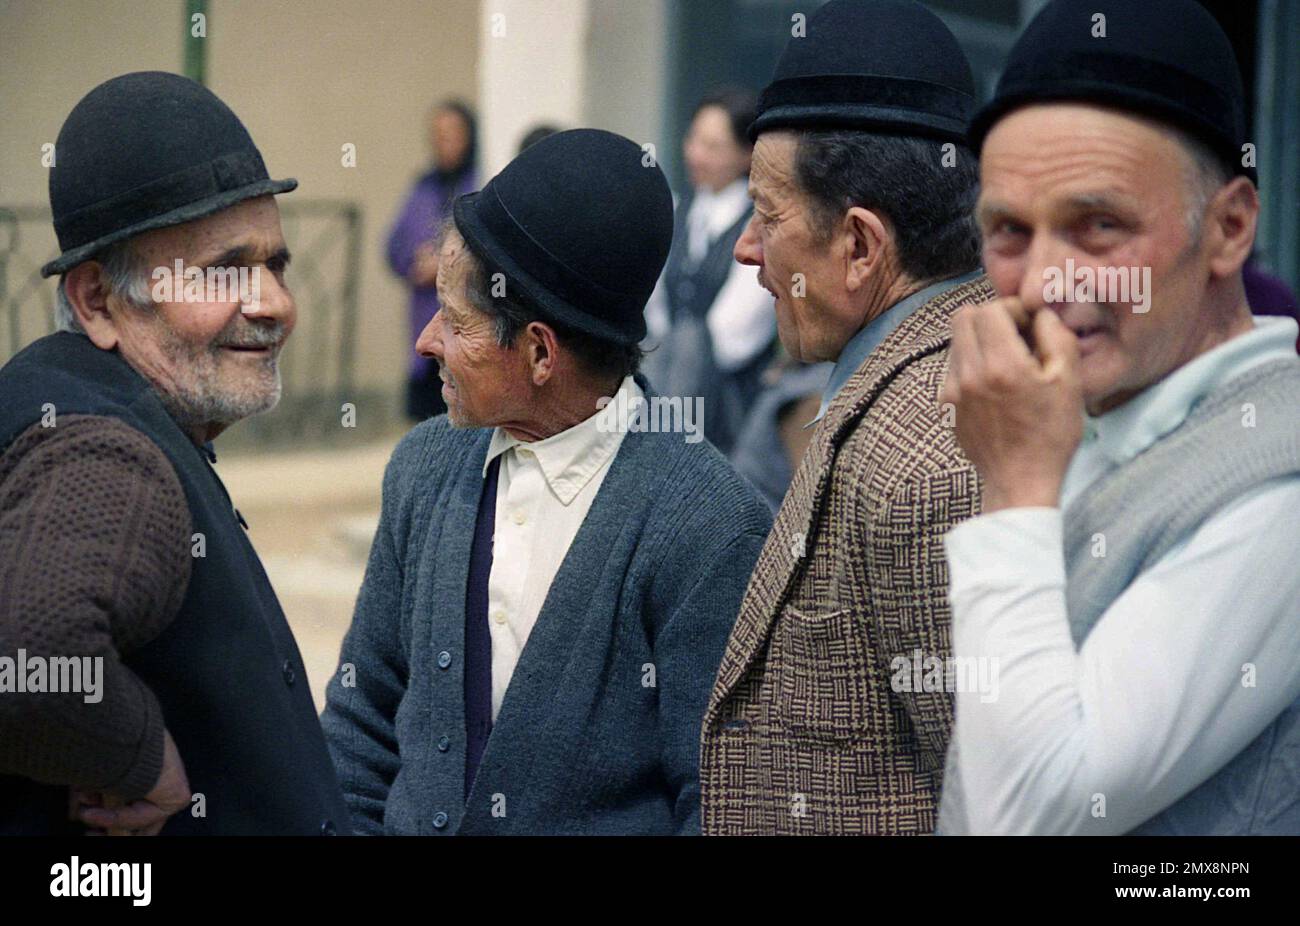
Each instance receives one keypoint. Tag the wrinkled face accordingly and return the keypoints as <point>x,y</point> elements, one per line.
<point>1111,192</point>
<point>713,157</point>
<point>211,362</point>
<point>815,317</point>
<point>484,384</point>
<point>449,138</point>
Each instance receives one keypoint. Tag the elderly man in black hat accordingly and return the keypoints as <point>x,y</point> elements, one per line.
<point>862,188</point>
<point>1133,573</point>
<point>555,570</point>
<point>121,551</point>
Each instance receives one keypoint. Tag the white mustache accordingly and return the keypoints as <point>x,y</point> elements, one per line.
<point>257,337</point>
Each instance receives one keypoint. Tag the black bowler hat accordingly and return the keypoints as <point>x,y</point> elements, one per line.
<point>144,151</point>
<point>580,224</point>
<point>1167,59</point>
<point>888,66</point>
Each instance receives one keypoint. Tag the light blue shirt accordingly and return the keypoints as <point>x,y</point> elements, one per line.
<point>1153,702</point>
<point>873,334</point>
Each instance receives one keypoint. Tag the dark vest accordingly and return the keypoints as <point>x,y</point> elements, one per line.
<point>691,288</point>
<point>226,671</point>
<point>686,367</point>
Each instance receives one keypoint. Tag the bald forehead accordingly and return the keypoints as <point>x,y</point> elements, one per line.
<point>1084,154</point>
<point>252,225</point>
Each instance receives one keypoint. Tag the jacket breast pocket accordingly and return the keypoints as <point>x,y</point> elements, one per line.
<point>821,668</point>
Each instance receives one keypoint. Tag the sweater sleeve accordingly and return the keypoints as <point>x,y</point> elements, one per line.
<point>687,652</point>
<point>362,698</point>
<point>94,562</point>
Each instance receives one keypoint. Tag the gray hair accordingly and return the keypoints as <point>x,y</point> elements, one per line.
<point>124,276</point>
<point>1206,173</point>
<point>930,204</point>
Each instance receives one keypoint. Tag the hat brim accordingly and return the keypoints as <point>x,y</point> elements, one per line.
<point>883,120</point>
<point>1131,101</point>
<point>485,247</point>
<point>187,213</point>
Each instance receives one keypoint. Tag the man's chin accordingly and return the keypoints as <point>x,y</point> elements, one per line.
<point>232,415</point>
<point>458,419</point>
<point>234,405</point>
<point>268,405</point>
<point>1100,397</point>
<point>246,403</point>
<point>789,338</point>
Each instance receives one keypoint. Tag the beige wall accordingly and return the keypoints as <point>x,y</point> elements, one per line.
<point>306,78</point>
<point>572,63</point>
<point>50,55</point>
<point>626,65</point>
<point>530,71</point>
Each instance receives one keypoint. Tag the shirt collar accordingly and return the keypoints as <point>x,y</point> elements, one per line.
<point>874,333</point>
<point>569,459</point>
<point>1127,431</point>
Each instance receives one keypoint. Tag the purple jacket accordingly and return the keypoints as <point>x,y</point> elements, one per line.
<point>425,208</point>
<point>1268,295</point>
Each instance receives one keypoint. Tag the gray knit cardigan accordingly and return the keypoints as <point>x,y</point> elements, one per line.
<point>599,729</point>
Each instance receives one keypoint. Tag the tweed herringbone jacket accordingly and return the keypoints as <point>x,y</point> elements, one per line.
<point>814,725</point>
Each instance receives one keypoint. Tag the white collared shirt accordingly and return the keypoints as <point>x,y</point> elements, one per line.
<point>544,490</point>
<point>1153,702</point>
<point>713,213</point>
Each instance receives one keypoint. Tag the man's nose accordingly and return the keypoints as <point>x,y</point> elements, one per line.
<point>429,343</point>
<point>748,251</point>
<point>271,300</point>
<point>1044,263</point>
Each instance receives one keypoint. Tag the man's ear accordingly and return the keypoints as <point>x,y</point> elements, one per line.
<point>543,350</point>
<point>1230,221</point>
<point>88,296</point>
<point>866,238</point>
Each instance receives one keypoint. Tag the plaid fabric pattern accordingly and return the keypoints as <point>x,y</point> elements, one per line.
<point>805,732</point>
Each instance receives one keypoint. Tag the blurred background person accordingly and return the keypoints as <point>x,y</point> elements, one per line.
<point>712,327</point>
<point>777,430</point>
<point>412,251</point>
<point>536,134</point>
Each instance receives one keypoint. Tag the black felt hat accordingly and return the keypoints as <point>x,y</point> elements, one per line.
<point>143,151</point>
<point>580,224</point>
<point>1167,59</point>
<point>888,66</point>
